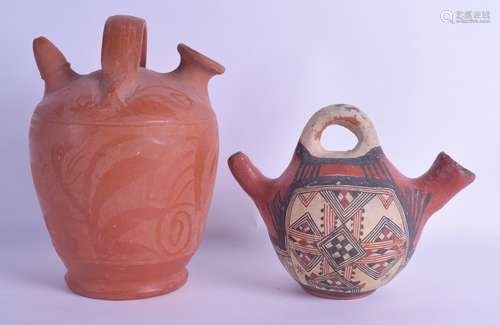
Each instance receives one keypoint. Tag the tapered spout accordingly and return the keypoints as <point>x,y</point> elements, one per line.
<point>444,179</point>
<point>196,70</point>
<point>249,177</point>
<point>257,186</point>
<point>53,66</point>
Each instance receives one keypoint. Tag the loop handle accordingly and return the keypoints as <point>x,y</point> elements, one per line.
<point>123,46</point>
<point>347,116</point>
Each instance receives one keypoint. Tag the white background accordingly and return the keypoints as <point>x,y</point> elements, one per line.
<point>427,86</point>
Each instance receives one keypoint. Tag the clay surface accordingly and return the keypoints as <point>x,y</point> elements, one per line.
<point>124,161</point>
<point>345,223</point>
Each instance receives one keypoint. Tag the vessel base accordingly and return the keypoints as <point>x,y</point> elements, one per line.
<point>337,295</point>
<point>112,290</point>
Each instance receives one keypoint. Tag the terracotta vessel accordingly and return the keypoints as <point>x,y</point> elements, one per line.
<point>123,160</point>
<point>345,223</point>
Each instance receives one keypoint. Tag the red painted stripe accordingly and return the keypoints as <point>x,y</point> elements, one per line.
<point>305,249</point>
<point>378,258</point>
<point>387,244</point>
<point>302,235</point>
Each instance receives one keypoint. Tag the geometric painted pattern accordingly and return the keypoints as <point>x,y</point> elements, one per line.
<point>383,245</point>
<point>340,248</point>
<point>344,238</point>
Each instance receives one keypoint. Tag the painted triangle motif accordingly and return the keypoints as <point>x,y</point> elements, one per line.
<point>345,197</point>
<point>306,225</point>
<point>346,203</point>
<point>307,260</point>
<point>307,197</point>
<point>386,200</point>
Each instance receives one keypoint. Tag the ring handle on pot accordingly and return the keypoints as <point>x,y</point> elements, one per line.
<point>123,47</point>
<point>347,116</point>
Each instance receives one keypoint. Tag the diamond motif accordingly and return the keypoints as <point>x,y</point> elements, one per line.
<point>345,238</point>
<point>383,258</point>
<point>340,248</point>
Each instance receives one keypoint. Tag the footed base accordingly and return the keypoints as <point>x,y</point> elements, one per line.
<point>336,295</point>
<point>113,290</point>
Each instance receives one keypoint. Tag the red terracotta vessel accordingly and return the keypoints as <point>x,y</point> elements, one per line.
<point>345,223</point>
<point>123,160</point>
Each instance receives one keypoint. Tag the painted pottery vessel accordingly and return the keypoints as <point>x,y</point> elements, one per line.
<point>345,223</point>
<point>123,160</point>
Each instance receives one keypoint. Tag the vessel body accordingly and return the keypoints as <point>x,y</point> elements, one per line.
<point>345,223</point>
<point>124,161</point>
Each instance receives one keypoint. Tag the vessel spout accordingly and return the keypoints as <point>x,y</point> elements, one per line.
<point>53,66</point>
<point>444,179</point>
<point>249,177</point>
<point>196,70</point>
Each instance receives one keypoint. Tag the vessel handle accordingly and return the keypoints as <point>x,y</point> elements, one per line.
<point>124,46</point>
<point>347,116</point>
